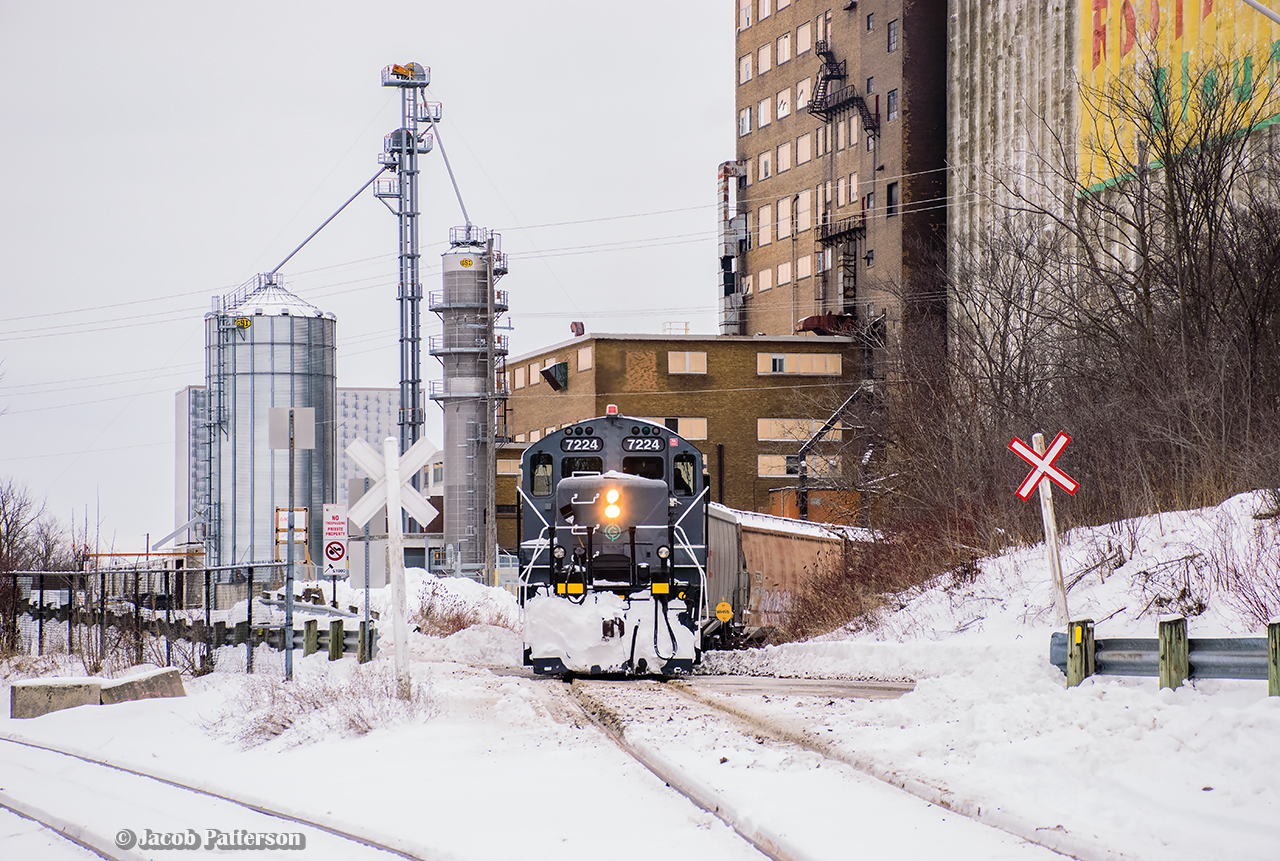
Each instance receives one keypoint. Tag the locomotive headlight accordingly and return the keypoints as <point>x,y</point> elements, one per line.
<point>558,551</point>
<point>612,510</point>
<point>664,552</point>
<point>612,496</point>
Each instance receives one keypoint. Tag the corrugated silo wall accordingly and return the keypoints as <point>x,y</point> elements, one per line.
<point>1011,110</point>
<point>277,361</point>
<point>466,426</point>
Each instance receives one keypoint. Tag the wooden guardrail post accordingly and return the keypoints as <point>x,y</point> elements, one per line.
<point>311,637</point>
<point>335,640</point>
<point>1174,652</point>
<point>1273,658</point>
<point>1080,654</point>
<point>362,646</point>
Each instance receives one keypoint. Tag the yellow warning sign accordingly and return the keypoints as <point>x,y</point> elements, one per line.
<point>724,612</point>
<point>466,262</point>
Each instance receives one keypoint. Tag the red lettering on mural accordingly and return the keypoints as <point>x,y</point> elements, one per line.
<point>1099,32</point>
<point>1206,8</point>
<point>1130,34</point>
<point>1177,19</point>
<point>1155,20</point>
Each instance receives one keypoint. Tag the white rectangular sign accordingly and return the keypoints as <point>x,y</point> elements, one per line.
<point>335,541</point>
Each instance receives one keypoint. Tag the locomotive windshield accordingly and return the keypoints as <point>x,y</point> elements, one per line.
<point>684,474</point>
<point>571,466</point>
<point>645,467</point>
<point>541,474</point>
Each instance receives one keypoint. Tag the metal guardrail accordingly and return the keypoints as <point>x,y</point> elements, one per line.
<point>1209,657</point>
<point>1172,656</point>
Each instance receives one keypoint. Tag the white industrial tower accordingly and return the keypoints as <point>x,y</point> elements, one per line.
<point>470,393</point>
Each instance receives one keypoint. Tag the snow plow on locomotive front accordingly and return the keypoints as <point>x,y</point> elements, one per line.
<point>613,550</point>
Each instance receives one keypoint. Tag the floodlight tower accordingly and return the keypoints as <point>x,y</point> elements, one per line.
<point>400,151</point>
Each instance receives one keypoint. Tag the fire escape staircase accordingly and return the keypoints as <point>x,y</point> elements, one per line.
<point>827,103</point>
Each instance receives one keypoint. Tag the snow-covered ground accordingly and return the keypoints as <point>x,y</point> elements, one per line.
<point>487,764</point>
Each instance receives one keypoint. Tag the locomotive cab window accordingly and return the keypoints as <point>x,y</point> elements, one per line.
<point>684,477</point>
<point>540,474</point>
<point>645,467</point>
<point>571,466</point>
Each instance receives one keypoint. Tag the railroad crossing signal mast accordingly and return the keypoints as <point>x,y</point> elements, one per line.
<point>400,151</point>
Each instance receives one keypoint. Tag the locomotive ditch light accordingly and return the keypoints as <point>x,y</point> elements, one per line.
<point>558,551</point>
<point>664,552</point>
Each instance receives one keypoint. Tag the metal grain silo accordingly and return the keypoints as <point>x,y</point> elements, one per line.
<point>265,347</point>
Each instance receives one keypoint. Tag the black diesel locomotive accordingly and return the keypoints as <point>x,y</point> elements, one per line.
<point>613,551</point>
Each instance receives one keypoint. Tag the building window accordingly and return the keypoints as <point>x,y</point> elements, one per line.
<point>804,38</point>
<point>744,122</point>
<point>893,35</point>
<point>794,430</point>
<point>891,199</point>
<point>784,48</point>
<point>783,4</point>
<point>692,428</point>
<point>763,10</point>
<point>744,69</point>
<point>784,157</point>
<point>519,378</point>
<point>823,465</point>
<point>686,363</point>
<point>437,472</point>
<point>766,224</point>
<point>871,21</point>
<point>776,464</point>
<point>765,160</point>
<point>871,143</point>
<point>827,364</point>
<point>892,99</point>
<point>804,144</point>
<point>744,14</point>
<point>803,216</point>
<point>804,266</point>
<point>762,59</point>
<point>585,358</point>
<point>840,135</point>
<point>784,273</point>
<point>853,186</point>
<point>869,202</point>
<point>802,94</point>
<point>764,115</point>
<point>765,277</point>
<point>870,257</point>
<point>747,285</point>
<point>784,103</point>
<point>840,198</point>
<point>871,86</point>
<point>784,219</point>
<point>520,437</point>
<point>853,133</point>
<point>534,436</point>
<point>508,467</point>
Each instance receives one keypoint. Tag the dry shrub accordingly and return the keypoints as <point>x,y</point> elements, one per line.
<point>442,613</point>
<point>319,706</point>
<point>1247,572</point>
<point>851,590</point>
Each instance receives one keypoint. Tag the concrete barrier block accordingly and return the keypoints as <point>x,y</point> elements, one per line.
<point>154,683</point>
<point>34,697</point>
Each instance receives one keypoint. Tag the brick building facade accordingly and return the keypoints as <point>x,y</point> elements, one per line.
<point>746,403</point>
<point>840,172</point>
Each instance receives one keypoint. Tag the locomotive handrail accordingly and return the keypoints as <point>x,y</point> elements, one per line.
<point>524,576</point>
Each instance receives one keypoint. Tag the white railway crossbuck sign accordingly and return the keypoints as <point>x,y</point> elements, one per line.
<point>1043,464</point>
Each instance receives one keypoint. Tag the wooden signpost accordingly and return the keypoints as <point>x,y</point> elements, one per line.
<point>1042,473</point>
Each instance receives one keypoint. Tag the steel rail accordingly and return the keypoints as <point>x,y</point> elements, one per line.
<point>248,805</point>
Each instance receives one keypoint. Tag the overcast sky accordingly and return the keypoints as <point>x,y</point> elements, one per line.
<point>154,155</point>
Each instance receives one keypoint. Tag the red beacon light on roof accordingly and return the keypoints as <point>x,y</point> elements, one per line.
<point>611,410</point>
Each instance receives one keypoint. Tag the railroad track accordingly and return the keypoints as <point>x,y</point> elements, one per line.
<point>54,787</point>
<point>792,797</point>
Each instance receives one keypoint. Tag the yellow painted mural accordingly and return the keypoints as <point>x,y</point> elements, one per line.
<point>1166,50</point>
